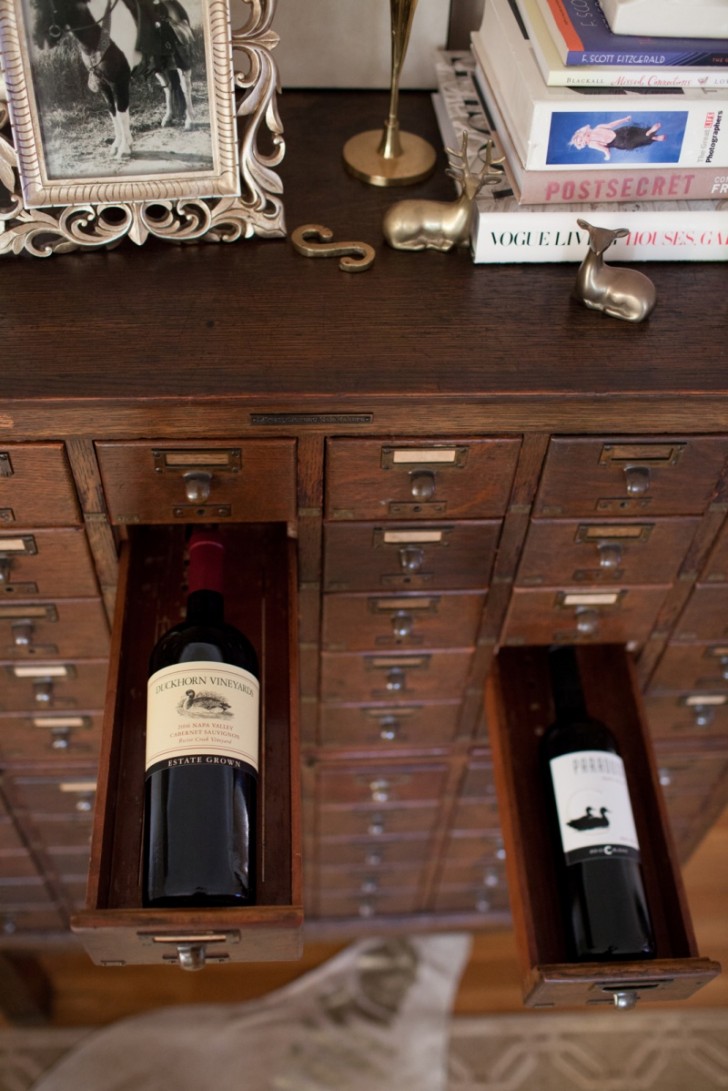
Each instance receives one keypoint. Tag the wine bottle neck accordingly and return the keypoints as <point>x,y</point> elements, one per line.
<point>566,687</point>
<point>205,607</point>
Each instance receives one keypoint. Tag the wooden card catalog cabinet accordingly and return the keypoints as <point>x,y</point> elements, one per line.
<point>260,600</point>
<point>519,709</point>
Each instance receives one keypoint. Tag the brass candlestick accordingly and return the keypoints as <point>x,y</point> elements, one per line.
<point>389,157</point>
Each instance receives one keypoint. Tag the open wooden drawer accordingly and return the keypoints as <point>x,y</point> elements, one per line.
<point>261,600</point>
<point>519,708</point>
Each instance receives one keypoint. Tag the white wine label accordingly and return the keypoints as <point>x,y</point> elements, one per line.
<point>202,713</point>
<point>593,806</point>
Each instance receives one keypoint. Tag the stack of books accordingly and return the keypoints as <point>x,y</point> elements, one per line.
<point>622,131</point>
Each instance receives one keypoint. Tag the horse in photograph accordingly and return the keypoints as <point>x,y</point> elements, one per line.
<point>117,37</point>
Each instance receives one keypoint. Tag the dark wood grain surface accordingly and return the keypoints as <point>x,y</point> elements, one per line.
<point>255,320</point>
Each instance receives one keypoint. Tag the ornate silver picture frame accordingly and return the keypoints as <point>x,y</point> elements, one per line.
<point>136,118</point>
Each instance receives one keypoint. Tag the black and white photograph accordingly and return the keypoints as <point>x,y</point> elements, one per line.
<point>123,100</point>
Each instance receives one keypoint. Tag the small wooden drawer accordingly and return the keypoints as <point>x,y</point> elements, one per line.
<point>477,782</point>
<point>75,628</point>
<point>482,870</point>
<point>381,557</point>
<point>413,724</point>
<point>716,567</point>
<point>365,906</point>
<point>261,601</point>
<point>36,486</point>
<point>683,715</point>
<point>21,920</point>
<point>72,793</point>
<point>50,736</point>
<point>406,676</point>
<point>17,864</point>
<point>384,851</point>
<point>409,620</point>
<point>58,685</point>
<point>28,890</point>
<point>369,881</point>
<point>393,783</point>
<point>251,481</point>
<point>46,562</point>
<point>60,832</point>
<point>624,476</point>
<point>419,479</point>
<point>471,814</point>
<point>519,707</point>
<point>691,773</point>
<point>634,551</point>
<point>575,615</point>
<point>696,667</point>
<point>473,898</point>
<point>706,615</point>
<point>377,820</point>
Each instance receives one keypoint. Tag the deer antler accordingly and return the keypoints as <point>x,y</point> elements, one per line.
<point>461,171</point>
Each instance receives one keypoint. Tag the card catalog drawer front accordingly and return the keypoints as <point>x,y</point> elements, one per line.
<point>69,627</point>
<point>31,920</point>
<point>691,771</point>
<point>473,898</point>
<point>69,831</point>
<point>684,714</point>
<point>59,685</point>
<point>483,871</point>
<point>630,477</point>
<point>716,567</point>
<point>46,562</point>
<point>695,667</point>
<point>17,864</point>
<point>411,619</point>
<point>368,881</point>
<point>36,486</point>
<point>574,615</point>
<point>355,904</point>
<point>373,852</point>
<point>477,779</point>
<point>477,814</point>
<point>252,481</point>
<point>464,848</point>
<point>605,551</point>
<point>378,820</point>
<point>433,723</point>
<point>706,615</point>
<point>50,736</point>
<point>70,794</point>
<point>23,891</point>
<point>386,676</point>
<point>439,556</point>
<point>463,479</point>
<point>381,784</point>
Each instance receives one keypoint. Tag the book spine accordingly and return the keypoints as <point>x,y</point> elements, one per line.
<point>662,78</point>
<point>575,34</point>
<point>683,131</point>
<point>553,236</point>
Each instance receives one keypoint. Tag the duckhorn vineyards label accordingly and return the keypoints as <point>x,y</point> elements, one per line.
<point>593,806</point>
<point>202,713</point>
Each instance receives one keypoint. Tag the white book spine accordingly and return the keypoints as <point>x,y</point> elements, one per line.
<point>687,127</point>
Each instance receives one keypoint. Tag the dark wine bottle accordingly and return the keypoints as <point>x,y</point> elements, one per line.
<point>202,750</point>
<point>603,898</point>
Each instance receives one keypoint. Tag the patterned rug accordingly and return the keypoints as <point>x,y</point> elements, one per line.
<point>375,1018</point>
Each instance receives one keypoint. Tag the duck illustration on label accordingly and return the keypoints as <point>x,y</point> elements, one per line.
<point>593,806</point>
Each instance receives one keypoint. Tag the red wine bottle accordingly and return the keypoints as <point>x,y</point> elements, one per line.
<point>202,750</point>
<point>604,904</point>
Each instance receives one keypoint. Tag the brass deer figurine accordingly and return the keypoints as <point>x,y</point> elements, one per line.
<point>440,225</point>
<point>620,293</point>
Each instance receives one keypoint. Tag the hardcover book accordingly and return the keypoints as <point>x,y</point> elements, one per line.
<point>505,231</point>
<point>470,104</point>
<point>583,36</point>
<point>675,18</point>
<point>588,127</point>
<point>558,74</point>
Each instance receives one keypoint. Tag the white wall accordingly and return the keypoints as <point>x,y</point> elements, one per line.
<point>347,43</point>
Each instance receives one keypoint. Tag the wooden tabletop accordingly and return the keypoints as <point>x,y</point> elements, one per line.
<point>256,320</point>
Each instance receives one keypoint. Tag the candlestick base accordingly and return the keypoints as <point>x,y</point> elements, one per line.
<point>383,158</point>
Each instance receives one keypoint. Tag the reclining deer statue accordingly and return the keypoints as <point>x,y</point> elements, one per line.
<point>440,225</point>
<point>621,293</point>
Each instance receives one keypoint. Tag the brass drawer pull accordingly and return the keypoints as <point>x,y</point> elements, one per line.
<point>198,485</point>
<point>423,485</point>
<point>22,633</point>
<point>389,728</point>
<point>4,570</point>
<point>587,620</point>
<point>610,555</point>
<point>638,480</point>
<point>380,789</point>
<point>411,558</point>
<point>402,623</point>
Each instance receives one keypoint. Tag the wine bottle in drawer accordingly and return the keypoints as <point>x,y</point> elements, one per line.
<point>202,749</point>
<point>604,905</point>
